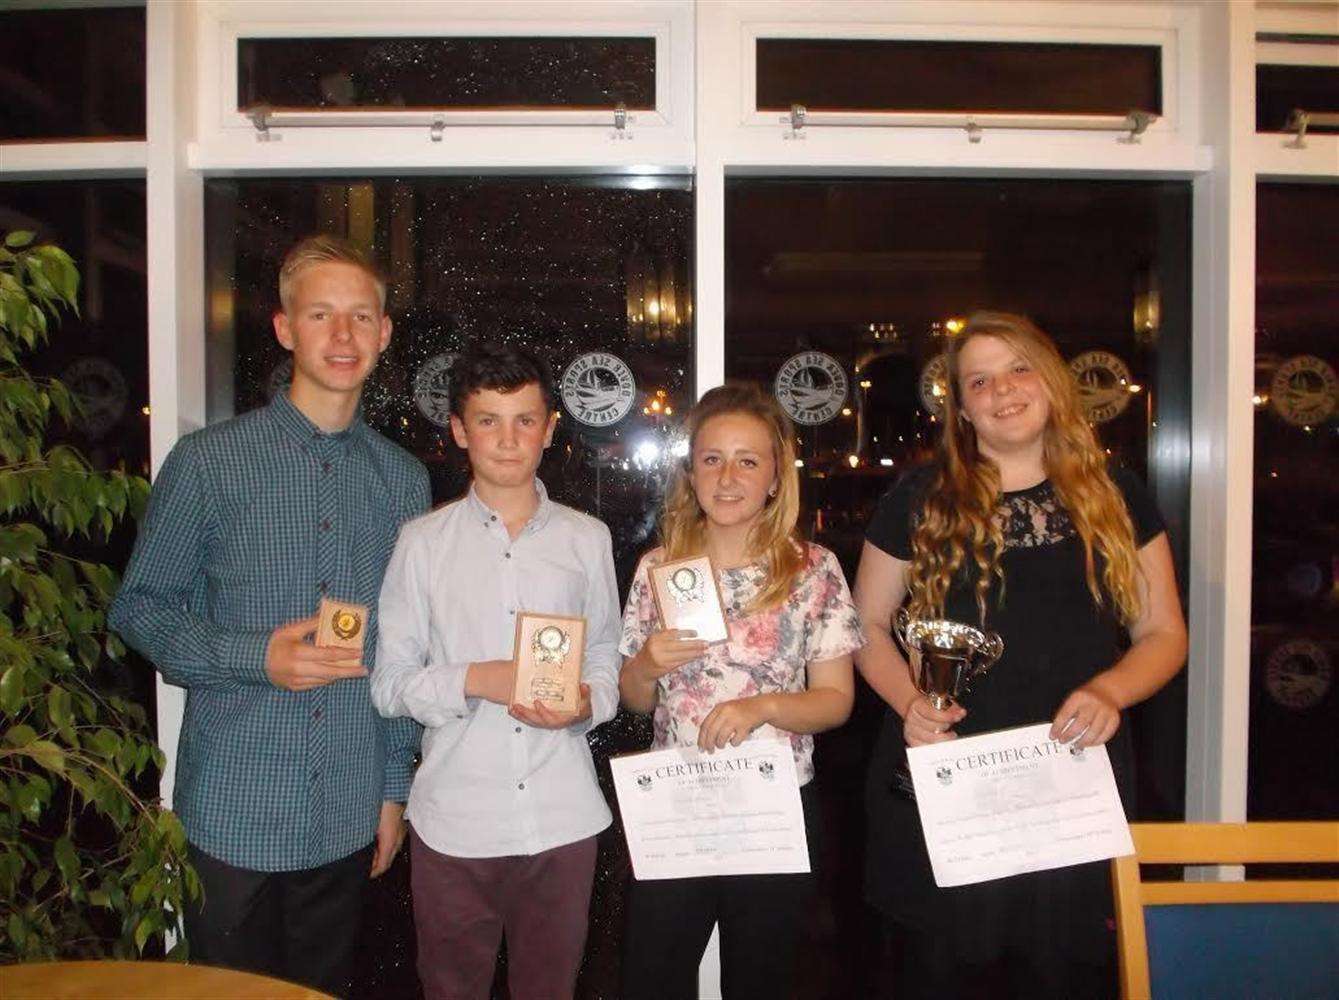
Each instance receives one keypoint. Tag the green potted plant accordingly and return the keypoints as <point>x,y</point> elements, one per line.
<point>91,865</point>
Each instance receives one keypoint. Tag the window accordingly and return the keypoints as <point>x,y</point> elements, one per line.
<point>1280,90</point>
<point>843,294</point>
<point>901,75</point>
<point>458,73</point>
<point>1295,564</point>
<point>72,74</point>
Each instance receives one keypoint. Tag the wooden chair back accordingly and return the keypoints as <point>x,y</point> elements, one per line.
<point>1211,843</point>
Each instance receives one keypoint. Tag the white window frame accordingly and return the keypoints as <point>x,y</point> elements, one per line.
<point>659,140</point>
<point>1277,155</point>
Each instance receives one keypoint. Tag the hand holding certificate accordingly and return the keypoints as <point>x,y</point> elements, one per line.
<point>1015,801</point>
<point>735,812</point>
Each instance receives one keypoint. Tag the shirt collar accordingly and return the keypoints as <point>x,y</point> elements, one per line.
<point>486,515</point>
<point>297,424</point>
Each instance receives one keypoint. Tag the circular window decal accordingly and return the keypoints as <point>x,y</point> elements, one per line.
<point>101,390</point>
<point>598,389</point>
<point>811,387</point>
<point>1298,674</point>
<point>432,389</point>
<point>933,384</point>
<point>1104,384</point>
<point>1304,390</point>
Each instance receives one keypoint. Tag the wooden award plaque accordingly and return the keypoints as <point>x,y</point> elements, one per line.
<point>548,656</point>
<point>687,596</point>
<point>341,624</point>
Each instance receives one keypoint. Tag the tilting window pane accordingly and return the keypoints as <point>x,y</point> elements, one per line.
<point>1003,77</point>
<point>1281,90</point>
<point>446,73</point>
<point>72,74</point>
<point>1295,550</point>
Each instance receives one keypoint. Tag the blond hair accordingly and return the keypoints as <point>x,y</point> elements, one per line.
<point>959,517</point>
<point>326,249</point>
<point>773,538</point>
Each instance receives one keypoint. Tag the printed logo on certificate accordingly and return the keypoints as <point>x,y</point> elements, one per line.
<point>688,597</point>
<point>733,812</point>
<point>548,656</point>
<point>1015,801</point>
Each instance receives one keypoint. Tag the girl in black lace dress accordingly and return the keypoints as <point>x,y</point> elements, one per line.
<point>1019,526</point>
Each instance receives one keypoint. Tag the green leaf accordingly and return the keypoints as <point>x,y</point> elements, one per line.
<point>47,754</point>
<point>19,238</point>
<point>20,735</point>
<point>11,689</point>
<point>66,860</point>
<point>142,932</point>
<point>58,707</point>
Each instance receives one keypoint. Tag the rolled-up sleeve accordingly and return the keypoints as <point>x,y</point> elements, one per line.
<point>404,682</point>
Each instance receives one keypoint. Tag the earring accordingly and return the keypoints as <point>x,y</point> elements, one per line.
<point>771,492</point>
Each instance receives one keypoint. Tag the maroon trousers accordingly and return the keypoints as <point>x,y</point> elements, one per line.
<point>463,906</point>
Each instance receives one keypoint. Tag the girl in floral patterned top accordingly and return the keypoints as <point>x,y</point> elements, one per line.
<point>785,671</point>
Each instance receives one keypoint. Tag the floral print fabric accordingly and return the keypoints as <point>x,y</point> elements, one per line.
<point>767,652</point>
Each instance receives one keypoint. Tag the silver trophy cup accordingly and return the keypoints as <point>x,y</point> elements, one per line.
<point>945,656</point>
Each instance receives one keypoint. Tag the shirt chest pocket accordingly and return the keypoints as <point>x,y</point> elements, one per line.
<point>547,587</point>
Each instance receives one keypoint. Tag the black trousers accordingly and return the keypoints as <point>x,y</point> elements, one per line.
<point>301,926</point>
<point>667,923</point>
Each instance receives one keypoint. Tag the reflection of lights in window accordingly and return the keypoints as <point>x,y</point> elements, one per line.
<point>866,383</point>
<point>669,411</point>
<point>1273,474</point>
<point>625,466</point>
<point>932,420</point>
<point>680,448</point>
<point>1260,399</point>
<point>853,460</point>
<point>145,410</point>
<point>647,453</point>
<point>954,325</point>
<point>846,411</point>
<point>646,411</point>
<point>404,421</point>
<point>1135,387</point>
<point>936,390</point>
<point>885,461</point>
<point>1307,428</point>
<point>655,405</point>
<point>799,463</point>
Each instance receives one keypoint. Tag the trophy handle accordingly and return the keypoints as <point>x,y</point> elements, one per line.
<point>901,620</point>
<point>991,650</point>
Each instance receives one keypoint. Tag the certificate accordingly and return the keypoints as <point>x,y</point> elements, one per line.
<point>733,812</point>
<point>1015,801</point>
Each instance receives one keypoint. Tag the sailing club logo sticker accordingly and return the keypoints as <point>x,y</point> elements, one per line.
<point>432,389</point>
<point>811,386</point>
<point>598,389</point>
<point>1104,384</point>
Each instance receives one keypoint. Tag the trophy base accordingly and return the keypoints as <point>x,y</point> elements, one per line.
<point>901,784</point>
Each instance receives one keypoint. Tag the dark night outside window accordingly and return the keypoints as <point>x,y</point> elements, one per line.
<point>877,275</point>
<point>1280,90</point>
<point>567,267</point>
<point>447,73</point>
<point>1294,707</point>
<point>72,74</point>
<point>984,77</point>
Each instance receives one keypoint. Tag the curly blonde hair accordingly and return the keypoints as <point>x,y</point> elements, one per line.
<point>959,518</point>
<point>774,538</point>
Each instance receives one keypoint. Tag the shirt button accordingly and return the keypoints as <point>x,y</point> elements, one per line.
<point>521,786</point>
<point>508,555</point>
<point>322,586</point>
<point>518,729</point>
<point>317,715</point>
<point>492,517</point>
<point>325,524</point>
<point>325,466</point>
<point>314,776</point>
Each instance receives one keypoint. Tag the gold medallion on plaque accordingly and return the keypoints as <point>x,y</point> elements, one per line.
<point>341,624</point>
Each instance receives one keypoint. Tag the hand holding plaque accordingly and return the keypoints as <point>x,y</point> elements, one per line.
<point>548,656</point>
<point>687,597</point>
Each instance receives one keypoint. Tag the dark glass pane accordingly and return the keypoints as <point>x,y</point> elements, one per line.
<point>565,267</point>
<point>897,75</point>
<point>1295,552</point>
<point>102,354</point>
<point>876,275</point>
<point>449,73</point>
<point>72,74</point>
<point>1281,90</point>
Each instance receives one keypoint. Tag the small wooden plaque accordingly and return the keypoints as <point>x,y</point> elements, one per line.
<point>549,650</point>
<point>688,596</point>
<point>341,624</point>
